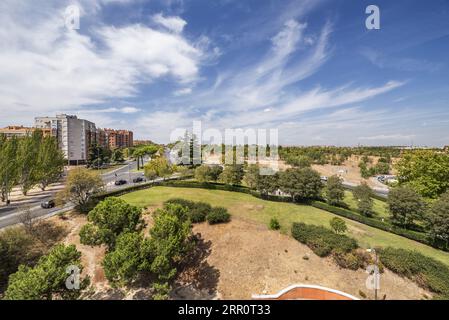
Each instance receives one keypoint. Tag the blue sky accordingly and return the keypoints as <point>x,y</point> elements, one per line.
<point>309,68</point>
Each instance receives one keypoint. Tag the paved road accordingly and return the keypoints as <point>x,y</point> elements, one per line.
<point>11,215</point>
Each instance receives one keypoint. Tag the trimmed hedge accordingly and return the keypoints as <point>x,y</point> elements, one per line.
<point>321,240</point>
<point>427,272</point>
<point>413,235</point>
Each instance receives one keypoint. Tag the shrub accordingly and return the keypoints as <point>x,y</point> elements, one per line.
<point>338,225</point>
<point>427,272</point>
<point>322,240</point>
<point>348,260</point>
<point>197,211</point>
<point>274,224</point>
<point>218,215</point>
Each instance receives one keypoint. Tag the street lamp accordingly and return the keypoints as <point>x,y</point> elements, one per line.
<point>376,271</point>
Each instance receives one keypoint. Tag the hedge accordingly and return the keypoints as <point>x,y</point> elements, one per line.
<point>427,272</point>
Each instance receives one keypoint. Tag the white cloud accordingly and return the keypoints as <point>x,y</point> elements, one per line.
<point>124,110</point>
<point>183,92</point>
<point>47,68</point>
<point>174,24</point>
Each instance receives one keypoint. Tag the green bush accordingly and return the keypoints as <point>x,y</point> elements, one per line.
<point>274,224</point>
<point>427,272</point>
<point>197,211</point>
<point>322,239</point>
<point>218,215</point>
<point>348,260</point>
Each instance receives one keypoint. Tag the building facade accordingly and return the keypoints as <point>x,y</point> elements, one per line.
<point>75,136</point>
<point>21,131</point>
<point>119,138</point>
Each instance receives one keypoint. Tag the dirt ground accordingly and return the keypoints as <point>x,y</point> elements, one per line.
<point>251,259</point>
<point>239,259</point>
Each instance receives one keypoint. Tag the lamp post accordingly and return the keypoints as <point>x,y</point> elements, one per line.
<point>376,271</point>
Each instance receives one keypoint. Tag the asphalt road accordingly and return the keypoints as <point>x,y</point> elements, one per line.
<point>11,215</point>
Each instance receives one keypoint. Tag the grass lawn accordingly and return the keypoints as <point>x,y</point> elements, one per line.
<point>250,208</point>
<point>106,170</point>
<point>379,207</point>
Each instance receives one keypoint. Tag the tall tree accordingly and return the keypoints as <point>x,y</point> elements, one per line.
<point>50,162</point>
<point>362,194</point>
<point>438,220</point>
<point>158,167</point>
<point>8,166</point>
<point>334,191</point>
<point>301,184</point>
<point>27,166</point>
<point>405,206</point>
<point>232,174</point>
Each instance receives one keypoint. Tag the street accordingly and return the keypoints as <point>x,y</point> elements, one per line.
<point>10,215</point>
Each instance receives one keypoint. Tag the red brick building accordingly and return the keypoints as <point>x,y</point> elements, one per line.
<point>119,138</point>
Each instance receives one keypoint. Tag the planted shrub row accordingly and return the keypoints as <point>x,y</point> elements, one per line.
<point>427,272</point>
<point>322,240</point>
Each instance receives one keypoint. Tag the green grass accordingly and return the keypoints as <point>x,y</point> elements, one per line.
<point>109,169</point>
<point>379,207</point>
<point>251,208</point>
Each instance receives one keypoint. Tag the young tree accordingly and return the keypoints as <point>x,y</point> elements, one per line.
<point>110,218</point>
<point>338,225</point>
<point>47,280</point>
<point>232,174</point>
<point>301,184</point>
<point>117,156</point>
<point>202,173</point>
<point>251,177</point>
<point>158,167</point>
<point>405,206</point>
<point>50,162</point>
<point>334,191</point>
<point>362,194</point>
<point>438,220</point>
<point>81,184</point>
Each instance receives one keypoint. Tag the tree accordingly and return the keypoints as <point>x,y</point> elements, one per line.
<point>27,166</point>
<point>169,242</point>
<point>362,194</point>
<point>117,156</point>
<point>338,225</point>
<point>110,218</point>
<point>301,184</point>
<point>334,191</point>
<point>98,156</point>
<point>426,171</point>
<point>232,174</point>
<point>158,167</point>
<point>267,184</point>
<point>251,177</point>
<point>405,206</point>
<point>122,265</point>
<point>50,162</point>
<point>8,165</point>
<point>81,184</point>
<point>47,280</point>
<point>202,173</point>
<point>438,220</point>
<point>214,172</point>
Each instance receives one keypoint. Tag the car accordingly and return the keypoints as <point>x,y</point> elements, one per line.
<point>48,204</point>
<point>120,182</point>
<point>138,179</point>
<point>324,178</point>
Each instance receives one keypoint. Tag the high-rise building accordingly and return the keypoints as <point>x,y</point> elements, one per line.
<point>119,138</point>
<point>74,135</point>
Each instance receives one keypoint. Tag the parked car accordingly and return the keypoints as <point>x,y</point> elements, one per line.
<point>48,204</point>
<point>120,182</point>
<point>138,179</point>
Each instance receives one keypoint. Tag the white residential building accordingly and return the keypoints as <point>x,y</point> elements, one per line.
<point>74,135</point>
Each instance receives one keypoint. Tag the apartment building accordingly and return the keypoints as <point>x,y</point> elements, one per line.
<point>74,135</point>
<point>119,138</point>
<point>21,131</point>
